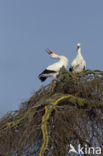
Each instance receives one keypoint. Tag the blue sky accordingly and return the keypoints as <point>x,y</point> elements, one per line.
<point>28,27</point>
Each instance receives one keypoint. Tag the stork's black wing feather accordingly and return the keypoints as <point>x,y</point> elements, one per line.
<point>43,77</point>
<point>47,72</point>
<point>73,67</point>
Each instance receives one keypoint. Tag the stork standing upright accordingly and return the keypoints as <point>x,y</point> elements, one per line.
<point>78,64</point>
<point>53,70</point>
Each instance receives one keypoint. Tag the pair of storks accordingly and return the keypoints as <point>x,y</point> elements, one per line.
<point>77,65</point>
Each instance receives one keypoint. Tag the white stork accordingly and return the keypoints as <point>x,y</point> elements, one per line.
<point>78,64</point>
<point>53,70</point>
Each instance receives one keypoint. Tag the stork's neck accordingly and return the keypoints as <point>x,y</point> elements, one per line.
<point>63,60</point>
<point>79,52</point>
<point>57,57</point>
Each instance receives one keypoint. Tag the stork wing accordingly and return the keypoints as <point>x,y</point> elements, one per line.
<point>74,67</point>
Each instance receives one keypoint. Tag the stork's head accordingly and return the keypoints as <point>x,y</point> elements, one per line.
<point>52,54</point>
<point>78,47</point>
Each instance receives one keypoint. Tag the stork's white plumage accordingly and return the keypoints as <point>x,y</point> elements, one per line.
<point>53,70</point>
<point>78,64</point>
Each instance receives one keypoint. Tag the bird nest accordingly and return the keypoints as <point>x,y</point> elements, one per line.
<point>67,111</point>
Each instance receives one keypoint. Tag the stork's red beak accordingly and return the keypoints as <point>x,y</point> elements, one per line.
<point>49,51</point>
